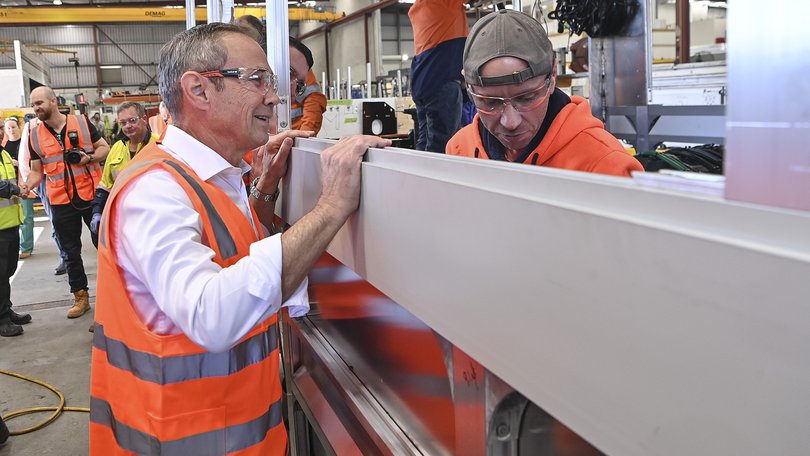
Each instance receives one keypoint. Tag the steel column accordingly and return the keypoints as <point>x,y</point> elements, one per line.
<point>683,30</point>
<point>278,54</point>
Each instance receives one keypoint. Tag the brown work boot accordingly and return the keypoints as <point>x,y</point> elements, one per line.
<point>81,304</point>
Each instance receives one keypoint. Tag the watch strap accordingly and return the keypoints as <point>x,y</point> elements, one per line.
<point>256,193</point>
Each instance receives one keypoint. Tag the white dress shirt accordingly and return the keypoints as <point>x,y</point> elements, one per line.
<point>171,276</point>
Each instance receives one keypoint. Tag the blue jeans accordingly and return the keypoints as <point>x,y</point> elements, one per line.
<point>46,204</point>
<point>439,117</point>
<point>27,227</point>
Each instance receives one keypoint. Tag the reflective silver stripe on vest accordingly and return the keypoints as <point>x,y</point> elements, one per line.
<point>76,172</point>
<point>9,202</point>
<point>307,92</point>
<point>35,142</point>
<point>217,442</point>
<point>85,134</point>
<point>227,246</point>
<point>296,113</point>
<point>53,159</point>
<point>175,369</point>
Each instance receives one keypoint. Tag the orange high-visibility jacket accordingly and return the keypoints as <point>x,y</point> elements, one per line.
<point>58,181</point>
<point>575,140</point>
<point>164,394</point>
<point>306,111</point>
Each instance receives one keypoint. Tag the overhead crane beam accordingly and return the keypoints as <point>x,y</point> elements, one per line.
<point>96,15</point>
<point>8,46</point>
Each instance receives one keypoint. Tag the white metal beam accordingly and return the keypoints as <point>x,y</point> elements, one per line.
<point>650,322</point>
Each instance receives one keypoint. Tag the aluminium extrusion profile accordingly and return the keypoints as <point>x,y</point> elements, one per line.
<point>648,321</point>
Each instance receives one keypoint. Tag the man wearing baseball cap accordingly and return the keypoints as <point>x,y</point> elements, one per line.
<point>510,72</point>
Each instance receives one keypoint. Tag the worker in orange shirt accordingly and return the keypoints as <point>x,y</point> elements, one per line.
<point>439,33</point>
<point>308,102</point>
<point>510,70</point>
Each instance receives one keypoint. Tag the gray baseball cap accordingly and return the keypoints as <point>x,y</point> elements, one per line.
<point>507,33</point>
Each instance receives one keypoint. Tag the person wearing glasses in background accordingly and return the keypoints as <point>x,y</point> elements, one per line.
<point>308,104</point>
<point>185,351</point>
<point>510,73</point>
<point>137,132</point>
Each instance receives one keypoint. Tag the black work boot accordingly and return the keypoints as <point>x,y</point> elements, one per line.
<point>9,329</point>
<point>19,319</point>
<point>61,269</point>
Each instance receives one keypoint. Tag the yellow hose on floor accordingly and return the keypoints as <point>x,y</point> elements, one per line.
<point>56,410</point>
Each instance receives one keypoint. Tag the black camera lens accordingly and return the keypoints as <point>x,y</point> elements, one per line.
<point>73,157</point>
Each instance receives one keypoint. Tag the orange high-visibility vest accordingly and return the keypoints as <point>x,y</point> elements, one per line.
<point>164,394</point>
<point>306,110</point>
<point>59,184</point>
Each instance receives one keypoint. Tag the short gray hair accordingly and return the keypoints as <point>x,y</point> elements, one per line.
<point>197,49</point>
<point>131,104</point>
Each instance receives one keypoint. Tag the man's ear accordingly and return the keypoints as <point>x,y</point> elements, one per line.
<point>195,90</point>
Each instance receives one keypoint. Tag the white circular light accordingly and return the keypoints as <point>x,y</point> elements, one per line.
<point>376,127</point>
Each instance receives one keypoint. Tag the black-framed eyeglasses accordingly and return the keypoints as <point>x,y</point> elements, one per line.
<point>263,78</point>
<point>523,102</point>
<point>300,85</point>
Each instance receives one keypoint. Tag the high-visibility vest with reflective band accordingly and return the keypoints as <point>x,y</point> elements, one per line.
<point>10,208</point>
<point>314,101</point>
<point>59,184</point>
<point>164,394</point>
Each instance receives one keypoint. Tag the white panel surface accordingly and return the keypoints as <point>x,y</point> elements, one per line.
<point>651,323</point>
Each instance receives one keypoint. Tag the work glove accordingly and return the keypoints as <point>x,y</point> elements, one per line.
<point>94,223</point>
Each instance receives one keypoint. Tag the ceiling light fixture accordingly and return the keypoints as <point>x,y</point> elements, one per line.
<point>57,2</point>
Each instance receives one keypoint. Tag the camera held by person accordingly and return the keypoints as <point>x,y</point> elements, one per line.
<point>75,154</point>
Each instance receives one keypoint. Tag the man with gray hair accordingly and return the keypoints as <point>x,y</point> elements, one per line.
<point>185,351</point>
<point>510,72</point>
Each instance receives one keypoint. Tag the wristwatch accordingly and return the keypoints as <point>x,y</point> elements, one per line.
<point>254,192</point>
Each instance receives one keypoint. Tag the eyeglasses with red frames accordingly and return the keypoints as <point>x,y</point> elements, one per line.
<point>523,102</point>
<point>263,78</point>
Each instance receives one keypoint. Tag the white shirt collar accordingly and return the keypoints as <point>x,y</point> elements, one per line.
<point>199,157</point>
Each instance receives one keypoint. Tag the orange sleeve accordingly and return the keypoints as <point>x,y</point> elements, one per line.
<point>314,107</point>
<point>437,21</point>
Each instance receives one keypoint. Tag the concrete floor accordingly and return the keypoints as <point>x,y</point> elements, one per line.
<point>53,349</point>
